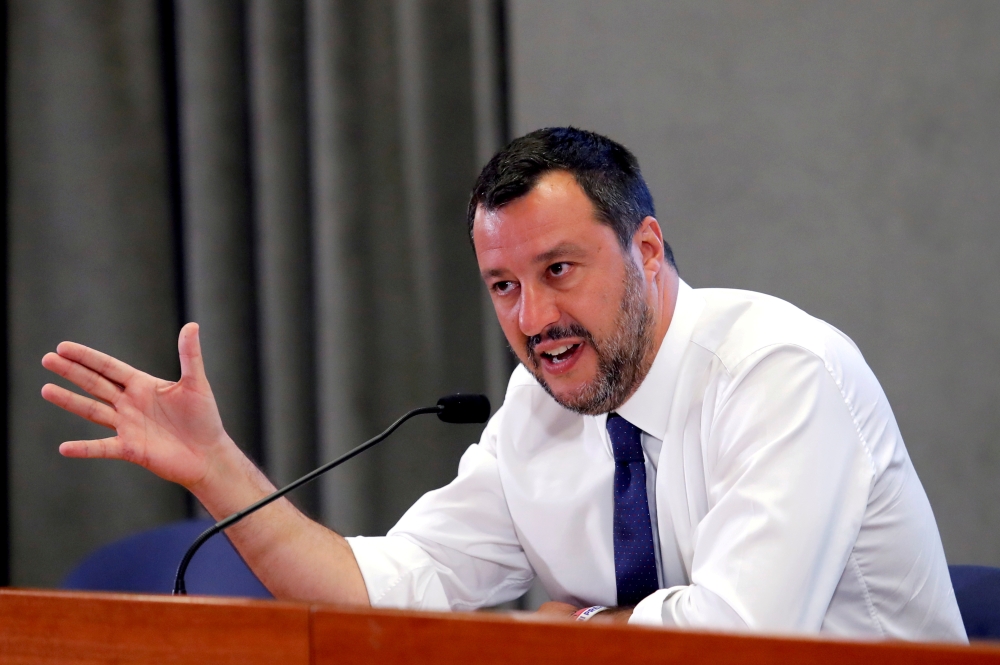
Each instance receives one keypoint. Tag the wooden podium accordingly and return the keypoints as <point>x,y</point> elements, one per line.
<point>67,627</point>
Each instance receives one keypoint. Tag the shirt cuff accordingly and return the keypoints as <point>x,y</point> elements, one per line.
<point>649,611</point>
<point>398,573</point>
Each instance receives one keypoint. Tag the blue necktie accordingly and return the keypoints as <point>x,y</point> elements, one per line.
<point>635,560</point>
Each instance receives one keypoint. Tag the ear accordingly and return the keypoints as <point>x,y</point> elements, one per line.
<point>647,244</point>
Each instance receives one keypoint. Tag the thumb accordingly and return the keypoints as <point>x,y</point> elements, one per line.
<point>189,349</point>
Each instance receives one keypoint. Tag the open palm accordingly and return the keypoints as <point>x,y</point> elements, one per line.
<point>171,428</point>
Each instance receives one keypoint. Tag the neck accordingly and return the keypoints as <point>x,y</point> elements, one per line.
<point>663,300</point>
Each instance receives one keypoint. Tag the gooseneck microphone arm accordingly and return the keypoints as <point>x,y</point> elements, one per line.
<point>454,409</point>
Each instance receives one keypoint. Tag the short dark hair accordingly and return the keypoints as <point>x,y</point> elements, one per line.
<point>606,171</point>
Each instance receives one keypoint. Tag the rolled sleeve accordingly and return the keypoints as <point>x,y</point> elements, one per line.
<point>649,611</point>
<point>398,573</point>
<point>455,548</point>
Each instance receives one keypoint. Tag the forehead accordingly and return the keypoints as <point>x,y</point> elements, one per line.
<point>556,212</point>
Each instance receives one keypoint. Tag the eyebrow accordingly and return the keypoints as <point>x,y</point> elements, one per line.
<point>562,250</point>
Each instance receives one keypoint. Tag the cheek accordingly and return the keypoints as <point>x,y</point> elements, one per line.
<point>595,309</point>
<point>507,315</point>
<point>602,308</point>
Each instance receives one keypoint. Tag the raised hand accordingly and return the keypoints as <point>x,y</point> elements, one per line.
<point>171,428</point>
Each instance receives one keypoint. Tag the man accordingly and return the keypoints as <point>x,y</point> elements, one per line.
<point>707,458</point>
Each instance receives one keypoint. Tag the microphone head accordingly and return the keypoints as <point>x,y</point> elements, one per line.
<point>461,408</point>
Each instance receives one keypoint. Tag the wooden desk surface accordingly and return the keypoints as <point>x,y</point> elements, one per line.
<point>69,627</point>
<point>414,637</point>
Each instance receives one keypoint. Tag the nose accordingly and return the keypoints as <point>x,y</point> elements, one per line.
<point>537,310</point>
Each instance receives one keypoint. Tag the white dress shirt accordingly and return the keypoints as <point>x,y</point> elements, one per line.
<point>782,497</point>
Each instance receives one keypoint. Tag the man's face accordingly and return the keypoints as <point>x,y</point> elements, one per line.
<point>570,302</point>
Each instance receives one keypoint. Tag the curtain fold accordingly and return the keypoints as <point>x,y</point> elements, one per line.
<point>217,207</point>
<point>279,140</point>
<point>337,212</point>
<point>91,259</point>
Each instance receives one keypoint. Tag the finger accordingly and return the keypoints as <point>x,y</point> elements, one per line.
<point>86,378</point>
<point>102,363</point>
<point>189,349</point>
<point>92,410</point>
<point>110,448</point>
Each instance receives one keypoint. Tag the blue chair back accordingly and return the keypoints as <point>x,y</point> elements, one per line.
<point>147,563</point>
<point>977,589</point>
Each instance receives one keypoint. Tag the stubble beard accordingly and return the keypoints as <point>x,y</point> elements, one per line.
<point>623,359</point>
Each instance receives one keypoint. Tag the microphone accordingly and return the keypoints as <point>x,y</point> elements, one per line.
<point>458,408</point>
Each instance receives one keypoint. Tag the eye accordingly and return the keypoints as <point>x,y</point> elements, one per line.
<point>557,269</point>
<point>502,287</point>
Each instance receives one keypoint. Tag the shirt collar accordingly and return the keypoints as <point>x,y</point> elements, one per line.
<point>649,407</point>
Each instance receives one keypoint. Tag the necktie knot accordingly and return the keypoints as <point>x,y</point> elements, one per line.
<point>626,439</point>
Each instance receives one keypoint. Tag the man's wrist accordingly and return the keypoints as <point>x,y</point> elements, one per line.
<point>232,482</point>
<point>612,615</point>
<point>587,613</point>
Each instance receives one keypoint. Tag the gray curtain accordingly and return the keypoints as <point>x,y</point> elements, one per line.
<point>309,215</point>
<point>91,258</point>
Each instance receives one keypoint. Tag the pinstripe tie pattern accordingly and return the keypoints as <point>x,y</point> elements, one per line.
<point>635,559</point>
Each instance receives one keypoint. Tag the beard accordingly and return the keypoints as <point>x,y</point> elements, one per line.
<point>623,358</point>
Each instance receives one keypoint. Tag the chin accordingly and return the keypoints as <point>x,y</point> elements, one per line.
<point>566,396</point>
<point>580,390</point>
<point>564,389</point>
<point>579,399</point>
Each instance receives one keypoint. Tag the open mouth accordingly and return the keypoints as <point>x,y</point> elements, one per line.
<point>560,354</point>
<point>558,351</point>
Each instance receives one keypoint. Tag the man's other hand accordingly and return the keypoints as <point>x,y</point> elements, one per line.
<point>555,610</point>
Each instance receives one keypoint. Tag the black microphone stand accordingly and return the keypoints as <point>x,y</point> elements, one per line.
<point>181,590</point>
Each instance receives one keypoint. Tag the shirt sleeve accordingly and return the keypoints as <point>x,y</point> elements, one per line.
<point>455,548</point>
<point>788,475</point>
